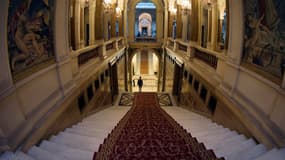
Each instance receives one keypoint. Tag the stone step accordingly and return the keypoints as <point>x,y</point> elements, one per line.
<point>40,154</point>
<point>248,153</point>
<point>66,152</point>
<point>227,150</point>
<point>88,133</point>
<point>273,154</point>
<point>23,156</point>
<point>78,142</point>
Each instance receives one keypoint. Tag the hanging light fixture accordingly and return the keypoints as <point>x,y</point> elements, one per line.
<point>118,10</point>
<point>173,10</point>
<point>185,6</point>
<point>108,6</point>
<point>173,7</point>
<point>208,4</point>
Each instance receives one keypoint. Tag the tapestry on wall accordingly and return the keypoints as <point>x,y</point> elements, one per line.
<point>30,35</point>
<point>264,39</point>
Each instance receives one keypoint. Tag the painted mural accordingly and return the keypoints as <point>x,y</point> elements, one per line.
<point>30,39</point>
<point>264,40</point>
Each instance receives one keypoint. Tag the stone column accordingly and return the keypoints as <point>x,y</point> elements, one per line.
<point>194,20</point>
<point>159,24</point>
<point>77,18</point>
<point>150,62</point>
<point>125,23</point>
<point>165,24</point>
<point>178,23</point>
<point>131,23</point>
<point>126,69</point>
<point>214,27</point>
<point>107,17</point>
<point>138,63</point>
<point>99,35</point>
<point>184,26</point>
<point>92,8</point>
<point>82,28</point>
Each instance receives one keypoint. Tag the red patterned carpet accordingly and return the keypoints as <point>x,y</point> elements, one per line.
<point>148,132</point>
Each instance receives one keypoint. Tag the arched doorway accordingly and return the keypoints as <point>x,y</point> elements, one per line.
<point>145,22</point>
<point>145,63</point>
<point>145,25</point>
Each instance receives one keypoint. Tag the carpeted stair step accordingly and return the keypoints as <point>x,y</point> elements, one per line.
<point>41,154</point>
<point>77,142</point>
<point>273,154</point>
<point>66,152</point>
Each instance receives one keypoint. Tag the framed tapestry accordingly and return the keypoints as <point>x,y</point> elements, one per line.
<point>264,38</point>
<point>30,36</point>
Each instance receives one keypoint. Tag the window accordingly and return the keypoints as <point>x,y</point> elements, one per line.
<point>97,84</point>
<point>90,93</point>
<point>81,102</point>
<point>203,93</point>
<point>185,74</point>
<point>102,78</point>
<point>212,104</point>
<point>106,73</point>
<point>196,85</point>
<point>190,79</point>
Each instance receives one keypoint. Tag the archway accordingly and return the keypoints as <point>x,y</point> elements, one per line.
<point>145,63</point>
<point>157,7</point>
<point>145,25</point>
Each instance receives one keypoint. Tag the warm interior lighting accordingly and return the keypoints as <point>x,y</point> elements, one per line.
<point>107,6</point>
<point>185,5</point>
<point>208,4</point>
<point>172,7</point>
<point>118,12</point>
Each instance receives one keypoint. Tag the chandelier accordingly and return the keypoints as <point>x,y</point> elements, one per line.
<point>208,4</point>
<point>108,6</point>
<point>173,10</point>
<point>185,5</point>
<point>118,11</point>
<point>172,7</point>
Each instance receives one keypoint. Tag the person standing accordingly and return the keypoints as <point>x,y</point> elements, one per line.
<point>140,84</point>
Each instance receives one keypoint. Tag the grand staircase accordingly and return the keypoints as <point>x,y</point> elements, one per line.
<point>83,139</point>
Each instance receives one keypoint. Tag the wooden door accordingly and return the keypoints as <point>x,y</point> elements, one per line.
<point>144,62</point>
